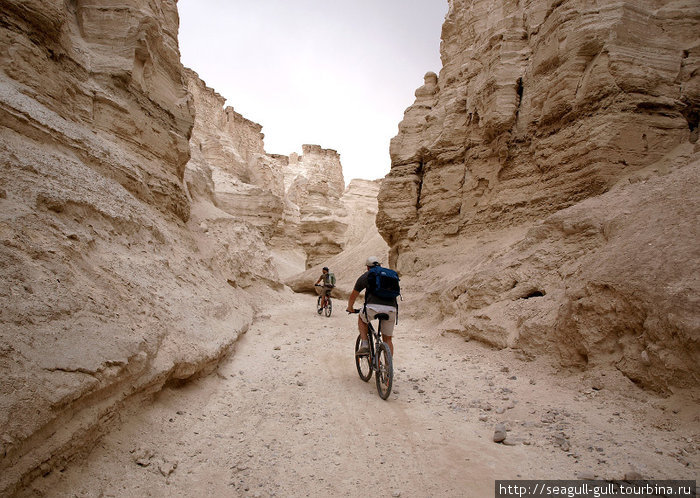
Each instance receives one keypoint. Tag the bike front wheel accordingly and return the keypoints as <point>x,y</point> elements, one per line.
<point>319,307</point>
<point>363,363</point>
<point>329,307</point>
<point>385,371</point>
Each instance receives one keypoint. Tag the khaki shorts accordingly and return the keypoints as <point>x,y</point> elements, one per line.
<point>387,325</point>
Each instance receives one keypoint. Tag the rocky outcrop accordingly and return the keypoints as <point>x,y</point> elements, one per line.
<point>229,166</point>
<point>316,184</point>
<point>107,294</point>
<point>611,281</point>
<point>545,179</point>
<point>293,202</point>
<point>118,79</point>
<point>538,106</point>
<point>360,240</point>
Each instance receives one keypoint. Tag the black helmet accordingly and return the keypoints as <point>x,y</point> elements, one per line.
<point>325,268</point>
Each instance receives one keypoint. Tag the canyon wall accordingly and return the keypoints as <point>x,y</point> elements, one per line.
<point>526,175</point>
<point>293,202</point>
<point>360,240</point>
<point>316,185</point>
<point>229,166</point>
<point>111,283</point>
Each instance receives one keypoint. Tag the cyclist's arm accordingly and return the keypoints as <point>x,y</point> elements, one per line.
<point>351,300</point>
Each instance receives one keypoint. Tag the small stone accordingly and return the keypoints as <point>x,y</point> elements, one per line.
<point>300,383</point>
<point>483,418</point>
<point>500,410</point>
<point>586,476</point>
<point>499,433</point>
<point>645,358</point>
<point>562,441</point>
<point>277,348</point>
<point>396,493</point>
<point>533,381</point>
<point>142,457</point>
<point>513,377</point>
<point>167,468</point>
<point>505,369</point>
<point>633,475</point>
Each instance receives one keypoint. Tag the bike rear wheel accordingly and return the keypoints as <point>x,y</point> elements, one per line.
<point>363,363</point>
<point>319,308</point>
<point>385,371</point>
<point>329,306</point>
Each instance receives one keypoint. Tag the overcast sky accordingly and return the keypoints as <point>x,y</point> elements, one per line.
<point>337,73</point>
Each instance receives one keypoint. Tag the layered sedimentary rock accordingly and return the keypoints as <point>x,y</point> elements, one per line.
<point>106,292</point>
<point>512,161</point>
<point>360,240</point>
<point>316,185</point>
<point>229,166</point>
<point>293,202</point>
<point>539,105</point>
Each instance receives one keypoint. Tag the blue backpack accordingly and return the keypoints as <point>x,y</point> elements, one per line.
<point>383,283</point>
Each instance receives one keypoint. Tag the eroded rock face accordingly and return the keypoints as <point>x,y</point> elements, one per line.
<point>546,178</point>
<point>106,293</point>
<point>229,165</point>
<point>114,73</point>
<point>609,281</point>
<point>316,185</point>
<point>294,202</point>
<point>539,105</point>
<point>360,240</point>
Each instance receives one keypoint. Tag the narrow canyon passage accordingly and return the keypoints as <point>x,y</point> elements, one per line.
<point>287,415</point>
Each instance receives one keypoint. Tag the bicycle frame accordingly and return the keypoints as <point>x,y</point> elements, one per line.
<point>375,339</point>
<point>378,360</point>
<point>324,302</point>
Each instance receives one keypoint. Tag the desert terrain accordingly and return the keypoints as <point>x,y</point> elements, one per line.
<point>306,425</point>
<point>158,332</point>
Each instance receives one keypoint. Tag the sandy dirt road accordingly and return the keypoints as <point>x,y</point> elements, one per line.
<point>287,415</point>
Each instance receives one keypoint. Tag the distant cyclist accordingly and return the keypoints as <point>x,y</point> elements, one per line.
<point>373,305</point>
<point>328,284</point>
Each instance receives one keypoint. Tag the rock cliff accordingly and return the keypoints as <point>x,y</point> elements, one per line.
<point>360,240</point>
<point>108,288</point>
<point>539,105</point>
<point>229,166</point>
<point>514,159</point>
<point>316,185</point>
<point>293,202</point>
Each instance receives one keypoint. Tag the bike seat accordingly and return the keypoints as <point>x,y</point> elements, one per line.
<point>381,316</point>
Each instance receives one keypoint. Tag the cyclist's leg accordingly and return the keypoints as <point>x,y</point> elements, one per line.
<point>389,342</point>
<point>362,327</point>
<point>388,332</point>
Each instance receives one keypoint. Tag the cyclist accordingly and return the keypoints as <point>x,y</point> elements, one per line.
<point>373,306</point>
<point>328,284</point>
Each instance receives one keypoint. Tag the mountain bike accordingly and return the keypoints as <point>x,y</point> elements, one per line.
<point>321,306</point>
<point>378,359</point>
